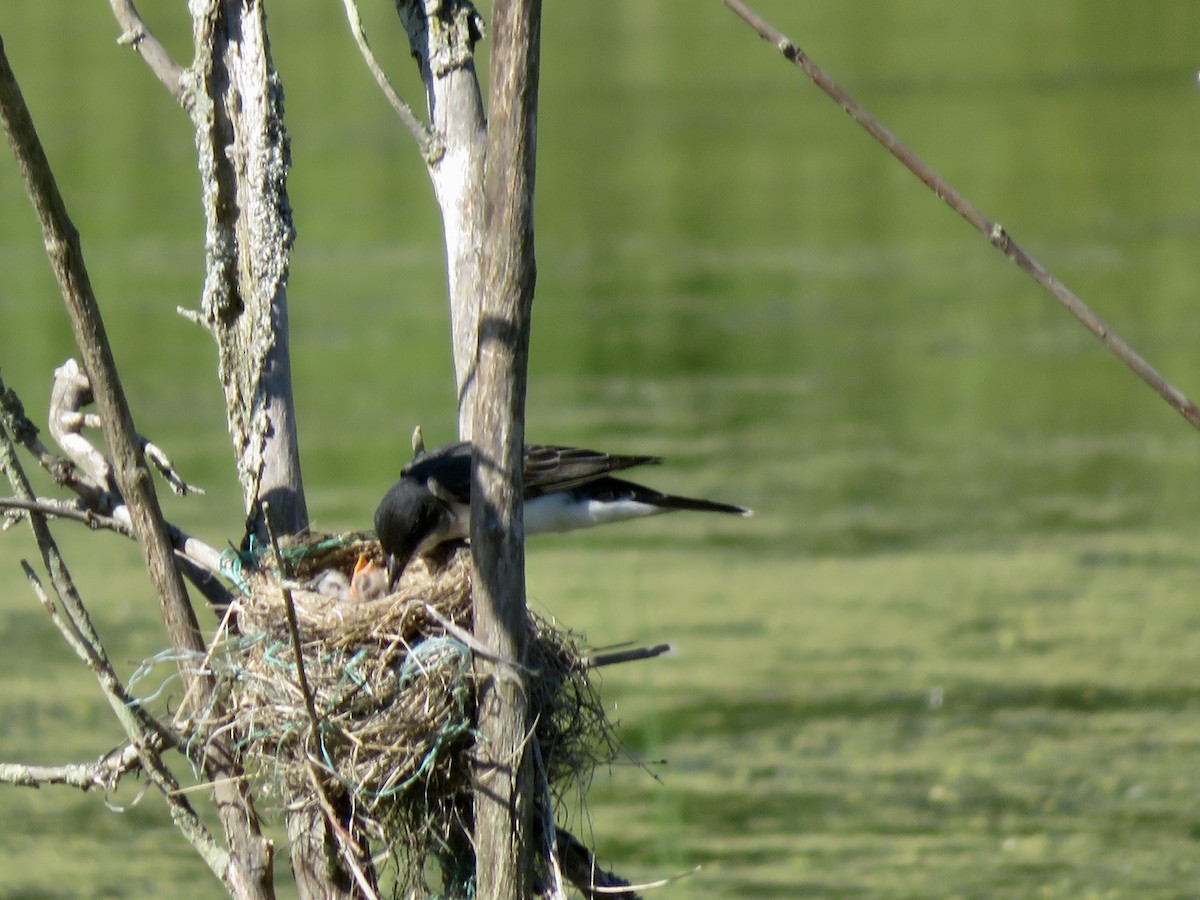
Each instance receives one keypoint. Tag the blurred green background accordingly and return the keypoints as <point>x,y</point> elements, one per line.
<point>955,652</point>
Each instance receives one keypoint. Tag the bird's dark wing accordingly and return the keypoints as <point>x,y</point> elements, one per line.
<point>549,469</point>
<point>546,468</point>
<point>449,466</point>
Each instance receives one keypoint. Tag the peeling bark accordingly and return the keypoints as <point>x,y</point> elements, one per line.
<point>235,99</point>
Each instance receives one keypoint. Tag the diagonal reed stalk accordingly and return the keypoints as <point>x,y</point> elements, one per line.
<point>992,230</point>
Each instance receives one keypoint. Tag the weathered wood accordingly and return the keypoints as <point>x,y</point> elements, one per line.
<point>504,797</point>
<point>442,35</point>
<point>250,866</point>
<point>235,98</point>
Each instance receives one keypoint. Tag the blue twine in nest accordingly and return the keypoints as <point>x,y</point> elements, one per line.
<point>424,654</point>
<point>430,652</point>
<point>233,566</point>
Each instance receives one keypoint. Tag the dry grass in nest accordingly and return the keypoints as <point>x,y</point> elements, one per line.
<point>394,693</point>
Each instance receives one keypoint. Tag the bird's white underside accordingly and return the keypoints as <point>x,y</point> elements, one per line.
<point>553,513</point>
<point>562,512</point>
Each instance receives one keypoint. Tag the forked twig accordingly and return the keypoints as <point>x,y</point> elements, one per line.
<point>89,475</point>
<point>993,231</point>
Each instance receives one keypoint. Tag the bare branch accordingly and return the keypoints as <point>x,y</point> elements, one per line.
<point>104,773</point>
<point>442,35</point>
<point>504,801</point>
<point>243,158</point>
<point>166,468</point>
<point>294,633</point>
<point>598,660</point>
<point>25,433</point>
<point>431,148</point>
<point>146,733</point>
<point>349,850</point>
<point>201,563</point>
<point>581,869</point>
<point>993,231</point>
<point>77,625</point>
<point>544,823</point>
<point>70,393</point>
<point>102,507</point>
<point>248,871</point>
<point>64,509</point>
<point>135,34</point>
<point>66,255</point>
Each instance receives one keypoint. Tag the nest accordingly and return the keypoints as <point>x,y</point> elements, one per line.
<point>391,681</point>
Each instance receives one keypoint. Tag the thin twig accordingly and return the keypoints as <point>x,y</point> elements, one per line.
<point>145,732</point>
<point>293,628</point>
<point>993,231</point>
<point>247,869</point>
<point>67,509</point>
<point>349,850</point>
<point>421,133</point>
<point>135,34</point>
<point>212,648</point>
<point>619,656</point>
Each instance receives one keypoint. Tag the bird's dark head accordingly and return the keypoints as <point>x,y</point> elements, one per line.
<point>408,520</point>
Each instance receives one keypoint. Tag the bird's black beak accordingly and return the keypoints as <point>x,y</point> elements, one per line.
<point>395,568</point>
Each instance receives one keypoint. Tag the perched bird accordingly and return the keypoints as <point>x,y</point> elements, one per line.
<point>565,489</point>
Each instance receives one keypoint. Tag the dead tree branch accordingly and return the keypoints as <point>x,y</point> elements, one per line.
<point>71,392</point>
<point>147,735</point>
<point>103,774</point>
<point>143,730</point>
<point>235,99</point>
<point>97,506</point>
<point>236,102</point>
<point>442,35</point>
<point>66,257</point>
<point>248,873</point>
<point>580,868</point>
<point>997,236</point>
<point>504,798</point>
<point>63,509</point>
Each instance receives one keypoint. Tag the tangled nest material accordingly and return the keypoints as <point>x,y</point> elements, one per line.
<point>391,681</point>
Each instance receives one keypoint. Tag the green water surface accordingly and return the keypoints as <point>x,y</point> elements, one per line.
<point>954,654</point>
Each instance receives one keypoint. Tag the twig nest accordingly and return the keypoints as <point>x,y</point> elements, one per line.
<point>391,680</point>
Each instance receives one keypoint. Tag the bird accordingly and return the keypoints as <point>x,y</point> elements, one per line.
<point>565,488</point>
